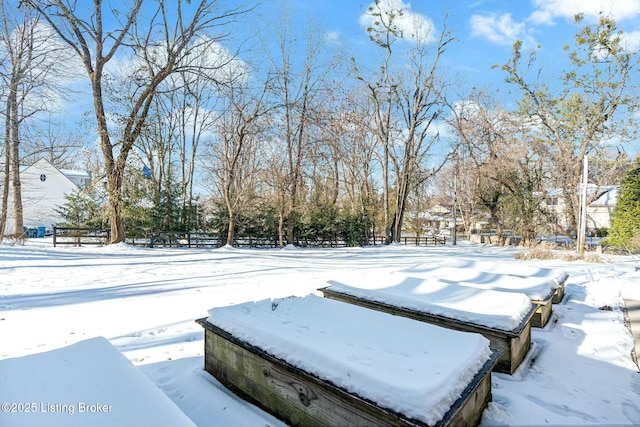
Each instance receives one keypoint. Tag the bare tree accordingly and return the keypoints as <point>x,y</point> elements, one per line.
<point>298,88</point>
<point>197,115</point>
<point>53,141</point>
<point>162,39</point>
<point>158,145</point>
<point>384,34</point>
<point>406,105</point>
<point>343,164</point>
<point>589,106</point>
<point>238,131</point>
<point>28,74</point>
<point>353,131</point>
<point>422,102</point>
<point>504,161</point>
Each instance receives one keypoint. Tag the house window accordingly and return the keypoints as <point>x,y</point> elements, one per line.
<point>552,201</point>
<point>43,177</point>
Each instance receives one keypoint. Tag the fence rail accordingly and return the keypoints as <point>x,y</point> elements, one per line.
<point>88,236</point>
<point>78,236</point>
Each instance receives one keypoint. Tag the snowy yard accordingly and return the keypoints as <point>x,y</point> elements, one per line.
<point>144,302</point>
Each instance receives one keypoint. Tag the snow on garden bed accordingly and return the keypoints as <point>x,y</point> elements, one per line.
<point>89,383</point>
<point>538,283</point>
<point>493,309</point>
<point>410,367</point>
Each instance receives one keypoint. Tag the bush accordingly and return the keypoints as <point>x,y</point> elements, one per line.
<point>625,221</point>
<point>601,232</point>
<point>536,253</point>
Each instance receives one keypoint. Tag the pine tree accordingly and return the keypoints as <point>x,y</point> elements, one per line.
<point>625,221</point>
<point>79,210</point>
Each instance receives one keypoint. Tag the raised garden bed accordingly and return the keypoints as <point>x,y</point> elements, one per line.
<point>503,318</point>
<point>315,361</point>
<point>543,286</point>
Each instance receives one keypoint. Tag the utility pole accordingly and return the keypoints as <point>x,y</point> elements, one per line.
<point>582,231</point>
<point>455,225</point>
<point>454,235</point>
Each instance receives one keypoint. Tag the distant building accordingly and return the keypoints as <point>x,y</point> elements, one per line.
<point>598,211</point>
<point>44,190</point>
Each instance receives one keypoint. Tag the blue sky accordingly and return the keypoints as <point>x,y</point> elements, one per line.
<point>485,29</point>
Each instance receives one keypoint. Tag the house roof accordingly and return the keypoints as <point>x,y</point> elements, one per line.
<point>75,173</point>
<point>71,174</point>
<point>608,197</point>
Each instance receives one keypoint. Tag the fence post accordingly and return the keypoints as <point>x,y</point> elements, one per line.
<point>54,236</point>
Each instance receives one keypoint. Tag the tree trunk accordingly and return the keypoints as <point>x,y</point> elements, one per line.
<point>232,226</point>
<point>18,220</point>
<point>499,227</point>
<point>115,219</point>
<point>281,229</point>
<point>227,200</point>
<point>114,188</point>
<point>6,175</point>
<point>401,201</point>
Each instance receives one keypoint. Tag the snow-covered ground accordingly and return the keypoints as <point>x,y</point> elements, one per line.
<point>145,301</point>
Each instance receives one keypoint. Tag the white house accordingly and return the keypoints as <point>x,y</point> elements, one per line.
<point>44,190</point>
<point>598,211</point>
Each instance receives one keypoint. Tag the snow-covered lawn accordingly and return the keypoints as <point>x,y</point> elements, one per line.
<point>144,302</point>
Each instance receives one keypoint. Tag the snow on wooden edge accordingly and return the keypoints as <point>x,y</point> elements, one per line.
<point>538,283</point>
<point>469,304</point>
<point>410,367</point>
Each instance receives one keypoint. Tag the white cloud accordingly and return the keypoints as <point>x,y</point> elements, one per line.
<point>412,26</point>
<point>548,10</point>
<point>204,53</point>
<point>503,30</point>
<point>631,41</point>
<point>500,29</point>
<point>53,67</point>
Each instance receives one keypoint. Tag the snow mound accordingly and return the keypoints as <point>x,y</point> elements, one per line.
<point>89,383</point>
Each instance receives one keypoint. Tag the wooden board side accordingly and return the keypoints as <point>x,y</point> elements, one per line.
<point>287,393</point>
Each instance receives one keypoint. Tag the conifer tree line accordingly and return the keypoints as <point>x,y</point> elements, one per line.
<point>197,122</point>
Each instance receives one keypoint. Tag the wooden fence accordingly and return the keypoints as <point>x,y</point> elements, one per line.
<point>89,236</point>
<point>78,236</point>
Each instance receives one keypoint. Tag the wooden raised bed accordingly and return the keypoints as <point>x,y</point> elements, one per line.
<point>544,309</point>
<point>536,282</point>
<point>304,396</point>
<point>558,295</point>
<point>512,345</point>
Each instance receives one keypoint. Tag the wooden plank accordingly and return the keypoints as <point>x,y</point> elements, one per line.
<point>302,399</point>
<point>544,308</point>
<point>558,295</point>
<point>512,345</point>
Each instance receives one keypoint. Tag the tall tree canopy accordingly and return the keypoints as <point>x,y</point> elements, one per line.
<point>158,38</point>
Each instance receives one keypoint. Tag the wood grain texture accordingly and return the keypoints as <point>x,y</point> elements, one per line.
<point>301,399</point>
